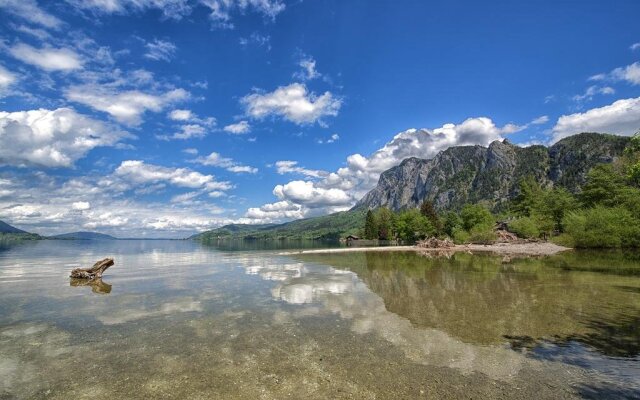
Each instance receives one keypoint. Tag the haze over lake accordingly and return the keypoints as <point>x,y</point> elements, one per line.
<point>176,319</point>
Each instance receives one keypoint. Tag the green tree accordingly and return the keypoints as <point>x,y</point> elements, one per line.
<point>476,215</point>
<point>633,174</point>
<point>370,226</point>
<point>633,147</point>
<point>524,227</point>
<point>452,223</point>
<point>602,187</point>
<point>411,225</point>
<point>428,210</point>
<point>603,227</point>
<point>384,217</point>
<point>556,203</point>
<point>529,197</point>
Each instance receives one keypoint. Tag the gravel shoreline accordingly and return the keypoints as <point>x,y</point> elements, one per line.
<point>524,249</point>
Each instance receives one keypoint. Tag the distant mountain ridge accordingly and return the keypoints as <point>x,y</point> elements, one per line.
<point>6,228</point>
<point>326,227</point>
<point>473,174</point>
<point>9,232</point>
<point>83,236</point>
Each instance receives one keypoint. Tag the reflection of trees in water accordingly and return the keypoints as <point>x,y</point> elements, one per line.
<point>614,336</point>
<point>607,391</point>
<point>481,299</point>
<point>9,244</point>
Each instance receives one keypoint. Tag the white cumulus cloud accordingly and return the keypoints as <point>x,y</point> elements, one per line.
<point>293,103</point>
<point>51,138</point>
<point>139,172</point>
<point>621,117</point>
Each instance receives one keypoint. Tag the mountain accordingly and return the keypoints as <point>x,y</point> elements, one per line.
<point>327,227</point>
<point>234,230</point>
<point>6,228</point>
<point>8,232</point>
<point>473,174</point>
<point>458,175</point>
<point>83,236</point>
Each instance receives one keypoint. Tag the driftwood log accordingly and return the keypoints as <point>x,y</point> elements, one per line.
<point>435,243</point>
<point>94,272</point>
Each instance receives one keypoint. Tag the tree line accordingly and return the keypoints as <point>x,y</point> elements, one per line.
<point>604,214</point>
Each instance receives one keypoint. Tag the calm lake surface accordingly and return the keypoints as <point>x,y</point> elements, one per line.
<point>176,319</point>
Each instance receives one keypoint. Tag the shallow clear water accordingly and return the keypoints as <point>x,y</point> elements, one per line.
<point>175,319</point>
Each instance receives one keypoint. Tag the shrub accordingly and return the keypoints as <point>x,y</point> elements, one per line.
<point>476,215</point>
<point>525,228</point>
<point>603,227</point>
<point>460,236</point>
<point>482,234</point>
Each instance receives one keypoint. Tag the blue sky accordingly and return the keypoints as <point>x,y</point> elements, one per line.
<point>160,118</point>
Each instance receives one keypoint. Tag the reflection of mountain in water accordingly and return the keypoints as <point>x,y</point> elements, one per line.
<point>481,300</point>
<point>341,292</point>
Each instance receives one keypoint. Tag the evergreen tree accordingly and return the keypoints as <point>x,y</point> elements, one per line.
<point>370,226</point>
<point>528,198</point>
<point>602,187</point>
<point>557,203</point>
<point>452,223</point>
<point>385,223</point>
<point>427,210</point>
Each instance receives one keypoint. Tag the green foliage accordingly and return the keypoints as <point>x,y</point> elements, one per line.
<point>452,223</point>
<point>460,236</point>
<point>529,197</point>
<point>9,237</point>
<point>525,227</point>
<point>633,174</point>
<point>476,215</point>
<point>385,217</point>
<point>633,147</point>
<point>555,204</point>
<point>428,210</point>
<point>482,234</point>
<point>603,227</point>
<point>371,226</point>
<point>411,225</point>
<point>602,186</point>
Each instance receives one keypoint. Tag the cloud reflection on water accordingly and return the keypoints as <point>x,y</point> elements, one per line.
<point>343,293</point>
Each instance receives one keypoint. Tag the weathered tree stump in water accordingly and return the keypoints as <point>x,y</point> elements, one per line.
<point>94,272</point>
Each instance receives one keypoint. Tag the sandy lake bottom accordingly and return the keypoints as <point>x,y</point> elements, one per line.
<point>176,319</point>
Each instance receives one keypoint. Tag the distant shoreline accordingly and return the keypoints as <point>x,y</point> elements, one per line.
<point>512,249</point>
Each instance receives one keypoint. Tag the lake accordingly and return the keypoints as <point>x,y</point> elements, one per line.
<point>177,319</point>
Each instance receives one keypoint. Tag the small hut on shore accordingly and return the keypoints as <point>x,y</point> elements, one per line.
<point>351,238</point>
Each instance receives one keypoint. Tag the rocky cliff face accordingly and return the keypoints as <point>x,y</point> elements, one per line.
<point>472,174</point>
